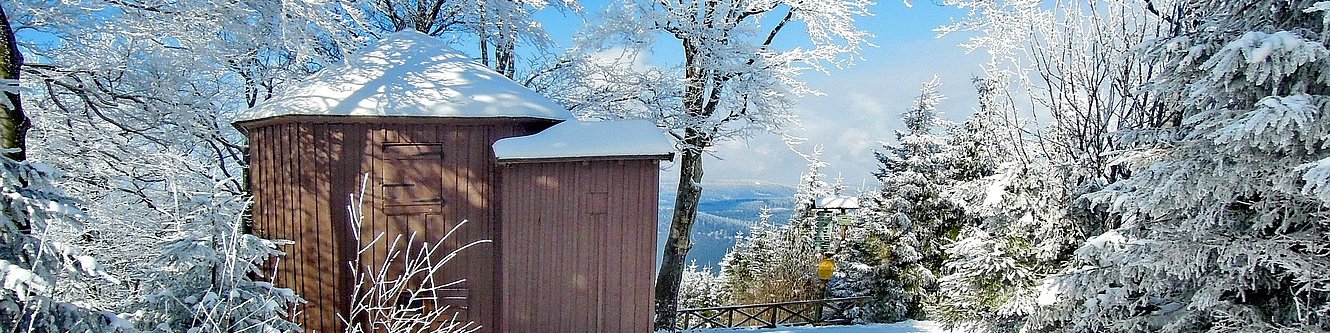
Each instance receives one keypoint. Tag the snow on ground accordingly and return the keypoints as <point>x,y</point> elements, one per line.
<point>908,326</point>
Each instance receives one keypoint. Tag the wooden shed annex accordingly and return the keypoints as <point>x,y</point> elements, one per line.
<point>569,206</point>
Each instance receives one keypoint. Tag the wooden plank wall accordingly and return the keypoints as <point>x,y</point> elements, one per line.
<point>302,174</point>
<point>579,246</point>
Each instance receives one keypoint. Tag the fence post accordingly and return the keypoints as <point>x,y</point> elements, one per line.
<point>818,315</point>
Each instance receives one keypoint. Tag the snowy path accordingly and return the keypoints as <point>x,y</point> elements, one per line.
<point>909,326</point>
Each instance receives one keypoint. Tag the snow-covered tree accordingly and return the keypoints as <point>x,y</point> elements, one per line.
<point>894,254</point>
<point>607,84</point>
<point>1010,202</point>
<point>915,172</point>
<point>497,26</point>
<point>880,259</point>
<point>203,279</point>
<point>771,264</point>
<point>1062,90</point>
<point>136,106</point>
<point>34,268</point>
<point>812,187</point>
<point>734,81</point>
<point>1073,67</point>
<point>701,288</point>
<point>1223,225</point>
<point>991,287</point>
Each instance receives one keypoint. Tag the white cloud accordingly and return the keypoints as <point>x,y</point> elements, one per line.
<point>860,107</point>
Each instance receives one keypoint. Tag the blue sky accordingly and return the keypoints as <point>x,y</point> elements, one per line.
<point>860,105</point>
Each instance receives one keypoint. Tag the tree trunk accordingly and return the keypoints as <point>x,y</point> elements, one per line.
<point>13,123</point>
<point>680,241</point>
<point>687,197</point>
<point>505,61</point>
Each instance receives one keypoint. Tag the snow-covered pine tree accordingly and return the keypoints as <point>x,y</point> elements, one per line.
<point>915,172</point>
<point>700,288</point>
<point>776,263</point>
<point>1011,241</point>
<point>204,280</point>
<point>992,268</point>
<point>879,258</point>
<point>34,268</point>
<point>812,186</point>
<point>982,271</point>
<point>905,224</point>
<point>1224,225</point>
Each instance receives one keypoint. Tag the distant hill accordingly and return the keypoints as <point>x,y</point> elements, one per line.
<point>727,208</point>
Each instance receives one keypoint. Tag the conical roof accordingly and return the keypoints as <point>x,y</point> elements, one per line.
<point>408,74</point>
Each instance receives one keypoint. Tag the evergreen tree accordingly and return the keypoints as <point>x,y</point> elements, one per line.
<point>812,186</point>
<point>33,268</point>
<point>1016,221</point>
<point>204,280</point>
<point>700,288</point>
<point>915,173</point>
<point>771,264</point>
<point>880,259</point>
<point>895,253</point>
<point>1223,217</point>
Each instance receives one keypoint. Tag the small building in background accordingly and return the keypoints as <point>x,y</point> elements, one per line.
<point>569,206</point>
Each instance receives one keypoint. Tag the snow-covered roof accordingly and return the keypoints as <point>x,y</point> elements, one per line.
<point>410,74</point>
<point>588,139</point>
<point>838,202</point>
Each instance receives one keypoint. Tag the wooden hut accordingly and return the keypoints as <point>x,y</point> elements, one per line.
<point>572,228</point>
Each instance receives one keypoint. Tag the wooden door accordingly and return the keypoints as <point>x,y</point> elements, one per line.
<point>415,204</point>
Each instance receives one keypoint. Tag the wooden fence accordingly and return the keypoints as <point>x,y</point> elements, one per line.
<point>810,312</point>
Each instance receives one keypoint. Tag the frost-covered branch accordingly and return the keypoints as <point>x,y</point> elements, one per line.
<point>403,293</point>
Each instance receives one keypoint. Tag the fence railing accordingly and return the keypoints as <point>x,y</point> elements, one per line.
<point>795,313</point>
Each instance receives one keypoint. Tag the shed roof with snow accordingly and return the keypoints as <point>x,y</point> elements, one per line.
<point>587,140</point>
<point>408,74</point>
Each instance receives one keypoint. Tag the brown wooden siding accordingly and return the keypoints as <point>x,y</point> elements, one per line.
<point>578,245</point>
<point>303,171</point>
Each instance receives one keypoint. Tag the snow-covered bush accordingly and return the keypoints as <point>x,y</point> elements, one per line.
<point>991,287</point>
